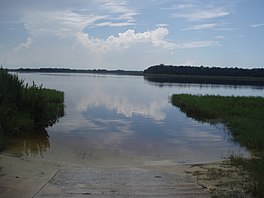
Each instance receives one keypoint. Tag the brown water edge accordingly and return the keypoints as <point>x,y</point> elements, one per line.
<point>84,151</point>
<point>28,143</point>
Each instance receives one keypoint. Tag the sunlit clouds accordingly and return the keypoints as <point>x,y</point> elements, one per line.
<point>126,39</point>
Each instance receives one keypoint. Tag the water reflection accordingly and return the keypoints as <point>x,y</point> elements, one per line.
<point>29,143</point>
<point>119,118</point>
<point>122,105</point>
<point>212,83</point>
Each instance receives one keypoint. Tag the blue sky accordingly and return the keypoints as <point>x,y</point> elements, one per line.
<point>131,34</point>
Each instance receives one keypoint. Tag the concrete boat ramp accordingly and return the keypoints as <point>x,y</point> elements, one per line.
<point>118,182</point>
<point>31,178</point>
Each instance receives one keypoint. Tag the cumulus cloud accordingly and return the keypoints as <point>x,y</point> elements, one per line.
<point>127,39</point>
<point>79,49</point>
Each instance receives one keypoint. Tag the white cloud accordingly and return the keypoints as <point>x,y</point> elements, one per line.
<point>162,25</point>
<point>257,25</point>
<point>116,6</point>
<point>203,14</point>
<point>198,44</point>
<point>61,23</point>
<point>121,8</point>
<point>27,44</point>
<point>179,7</point>
<point>127,39</point>
<point>80,50</point>
<point>219,37</point>
<point>48,16</point>
<point>202,26</point>
<point>114,24</point>
<point>128,16</point>
<point>184,6</point>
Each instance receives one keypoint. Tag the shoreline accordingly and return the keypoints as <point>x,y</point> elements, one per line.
<point>164,78</point>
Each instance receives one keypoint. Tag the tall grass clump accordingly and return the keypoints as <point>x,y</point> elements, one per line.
<point>24,107</point>
<point>243,116</point>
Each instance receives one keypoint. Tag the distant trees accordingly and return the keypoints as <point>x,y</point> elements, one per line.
<point>160,69</point>
<point>65,70</point>
<point>204,71</point>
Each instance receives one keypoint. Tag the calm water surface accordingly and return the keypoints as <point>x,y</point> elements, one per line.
<point>124,120</point>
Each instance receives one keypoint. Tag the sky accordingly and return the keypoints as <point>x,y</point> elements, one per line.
<point>131,34</point>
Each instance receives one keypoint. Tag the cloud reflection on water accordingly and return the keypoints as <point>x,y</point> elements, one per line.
<point>108,115</point>
<point>123,105</point>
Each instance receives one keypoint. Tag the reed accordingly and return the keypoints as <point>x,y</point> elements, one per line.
<point>24,107</point>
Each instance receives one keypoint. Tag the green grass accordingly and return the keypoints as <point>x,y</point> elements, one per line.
<point>244,117</point>
<point>25,108</point>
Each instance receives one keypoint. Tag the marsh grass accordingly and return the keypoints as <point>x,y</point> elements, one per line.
<point>244,117</point>
<point>254,168</point>
<point>26,107</point>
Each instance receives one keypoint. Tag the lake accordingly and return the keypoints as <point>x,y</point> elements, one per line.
<point>116,120</point>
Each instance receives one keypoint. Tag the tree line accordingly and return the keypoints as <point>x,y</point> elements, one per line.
<point>204,71</point>
<point>66,70</point>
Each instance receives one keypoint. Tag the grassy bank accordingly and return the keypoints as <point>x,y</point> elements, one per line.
<point>25,108</point>
<point>244,118</point>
